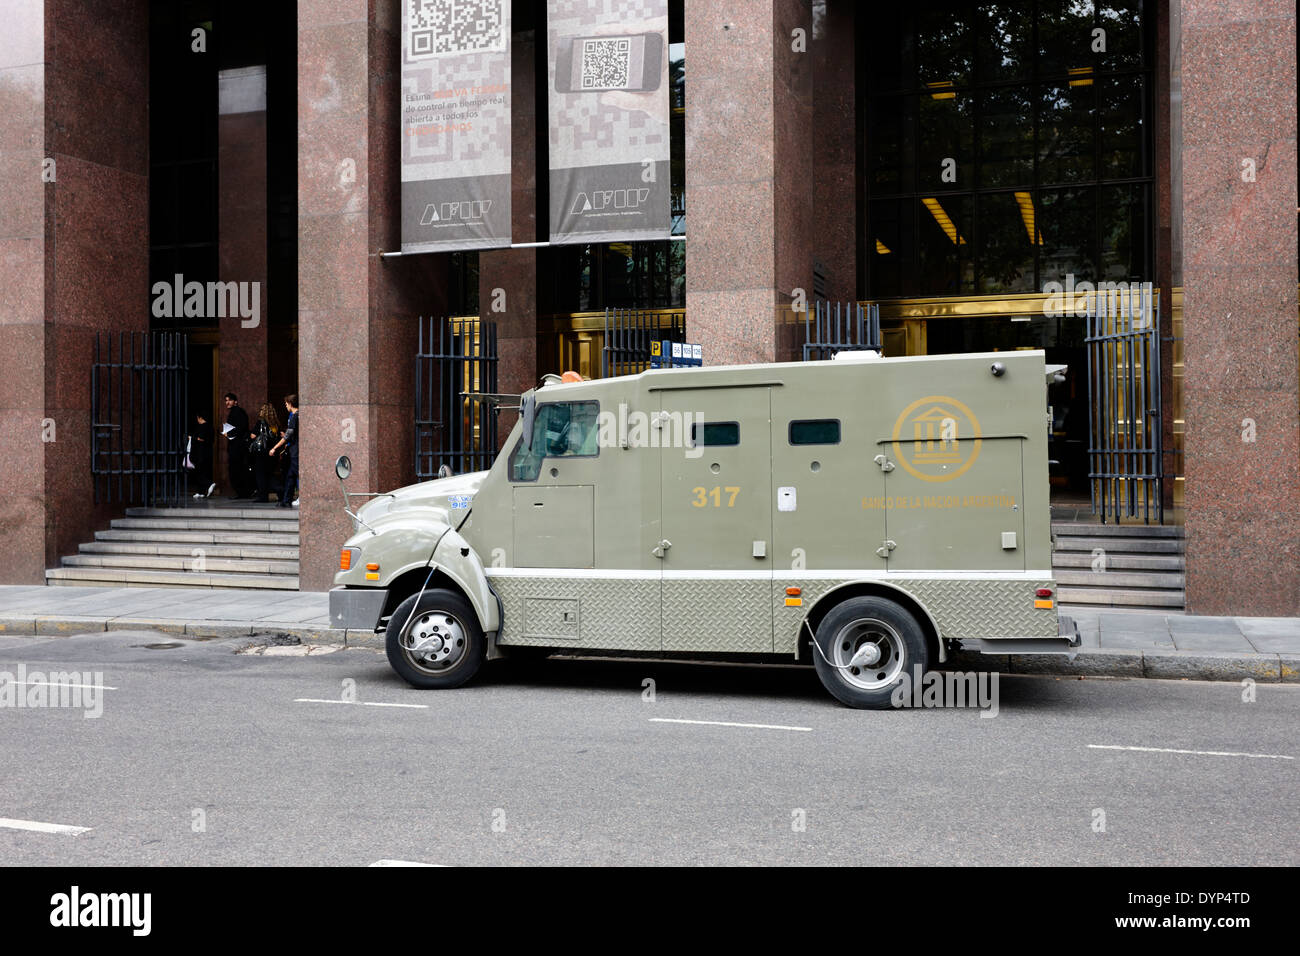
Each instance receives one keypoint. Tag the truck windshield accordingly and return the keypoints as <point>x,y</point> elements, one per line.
<point>560,430</point>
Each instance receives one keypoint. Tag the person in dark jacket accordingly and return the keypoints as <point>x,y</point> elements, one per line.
<point>201,455</point>
<point>237,438</point>
<point>289,440</point>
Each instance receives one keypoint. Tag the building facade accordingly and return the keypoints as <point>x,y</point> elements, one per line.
<point>965,167</point>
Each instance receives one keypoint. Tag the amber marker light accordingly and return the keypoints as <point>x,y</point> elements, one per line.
<point>345,559</point>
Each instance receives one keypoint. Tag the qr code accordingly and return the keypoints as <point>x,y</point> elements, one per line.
<point>605,63</point>
<point>442,27</point>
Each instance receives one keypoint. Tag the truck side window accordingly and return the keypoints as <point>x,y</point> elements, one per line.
<point>819,431</point>
<point>560,430</point>
<point>715,433</point>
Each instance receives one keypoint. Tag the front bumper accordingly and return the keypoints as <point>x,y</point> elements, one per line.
<point>357,609</point>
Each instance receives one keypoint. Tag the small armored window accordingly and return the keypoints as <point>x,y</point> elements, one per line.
<point>715,433</point>
<point>817,431</point>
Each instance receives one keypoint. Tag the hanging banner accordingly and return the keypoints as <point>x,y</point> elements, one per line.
<point>609,142</point>
<point>455,125</point>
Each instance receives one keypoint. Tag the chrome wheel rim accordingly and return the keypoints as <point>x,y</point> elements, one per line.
<point>434,642</point>
<point>868,654</point>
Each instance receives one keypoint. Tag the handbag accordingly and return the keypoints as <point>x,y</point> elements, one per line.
<point>259,445</point>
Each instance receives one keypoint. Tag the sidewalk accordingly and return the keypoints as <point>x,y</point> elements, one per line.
<point>1115,643</point>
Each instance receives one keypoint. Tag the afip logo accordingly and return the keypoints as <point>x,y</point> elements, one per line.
<point>455,213</point>
<point>603,200</point>
<point>935,438</point>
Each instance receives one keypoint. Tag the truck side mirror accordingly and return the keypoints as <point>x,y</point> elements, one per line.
<point>343,467</point>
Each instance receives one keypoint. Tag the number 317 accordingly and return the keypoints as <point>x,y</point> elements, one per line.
<point>702,496</point>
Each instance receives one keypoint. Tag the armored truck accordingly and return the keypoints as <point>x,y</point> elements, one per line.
<point>864,515</point>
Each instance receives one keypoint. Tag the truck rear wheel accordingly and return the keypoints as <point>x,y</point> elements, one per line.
<point>437,645</point>
<point>864,646</point>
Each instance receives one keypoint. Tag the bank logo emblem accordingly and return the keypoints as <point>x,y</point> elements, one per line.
<point>604,200</point>
<point>936,438</point>
<point>456,212</point>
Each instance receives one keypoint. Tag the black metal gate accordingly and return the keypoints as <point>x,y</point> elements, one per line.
<point>139,410</point>
<point>455,385</point>
<point>628,334</point>
<point>1124,444</point>
<point>832,327</point>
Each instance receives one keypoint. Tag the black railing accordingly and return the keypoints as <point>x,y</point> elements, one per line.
<point>139,413</point>
<point>628,334</point>
<point>1125,457</point>
<point>831,327</point>
<point>455,385</point>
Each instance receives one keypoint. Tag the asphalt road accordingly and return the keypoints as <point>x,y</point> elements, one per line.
<point>202,757</point>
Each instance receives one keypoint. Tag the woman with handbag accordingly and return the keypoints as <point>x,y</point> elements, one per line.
<point>268,429</point>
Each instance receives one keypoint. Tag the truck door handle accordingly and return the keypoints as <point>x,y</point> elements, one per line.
<point>661,548</point>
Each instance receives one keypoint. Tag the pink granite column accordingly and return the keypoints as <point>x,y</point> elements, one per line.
<point>356,311</point>
<point>96,228</point>
<point>74,134</point>
<point>242,250</point>
<point>22,291</point>
<point>514,271</point>
<point>834,147</point>
<point>1238,123</point>
<point>753,213</point>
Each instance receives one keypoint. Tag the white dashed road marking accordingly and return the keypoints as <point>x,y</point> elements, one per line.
<point>726,723</point>
<point>36,827</point>
<point>1198,753</point>
<point>46,683</point>
<point>363,703</point>
<point>402,863</point>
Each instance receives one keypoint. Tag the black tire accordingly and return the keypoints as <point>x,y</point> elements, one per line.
<point>900,642</point>
<point>443,618</point>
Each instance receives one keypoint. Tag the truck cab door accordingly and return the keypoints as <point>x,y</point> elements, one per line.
<point>716,518</point>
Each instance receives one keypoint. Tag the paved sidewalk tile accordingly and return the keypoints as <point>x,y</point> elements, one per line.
<point>1196,641</point>
<point>1138,640</point>
<point>1203,625</point>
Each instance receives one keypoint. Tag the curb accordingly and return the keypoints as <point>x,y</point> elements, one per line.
<point>1093,662</point>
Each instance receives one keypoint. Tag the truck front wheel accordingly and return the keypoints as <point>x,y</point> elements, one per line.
<point>864,646</point>
<point>437,644</point>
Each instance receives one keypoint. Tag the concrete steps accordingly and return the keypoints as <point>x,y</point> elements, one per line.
<point>1131,566</point>
<point>210,545</point>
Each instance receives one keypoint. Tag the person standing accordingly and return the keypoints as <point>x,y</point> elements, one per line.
<point>237,436</point>
<point>267,431</point>
<point>201,455</point>
<point>289,440</point>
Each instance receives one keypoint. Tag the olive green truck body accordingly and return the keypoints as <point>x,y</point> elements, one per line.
<point>727,510</point>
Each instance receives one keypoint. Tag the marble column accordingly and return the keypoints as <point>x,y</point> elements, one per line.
<point>1238,247</point>
<point>74,252</point>
<point>242,231</point>
<point>508,277</point>
<point>766,197</point>
<point>356,310</point>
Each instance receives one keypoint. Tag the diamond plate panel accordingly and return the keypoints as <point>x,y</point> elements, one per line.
<point>724,616</point>
<point>961,608</point>
<point>614,614</point>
